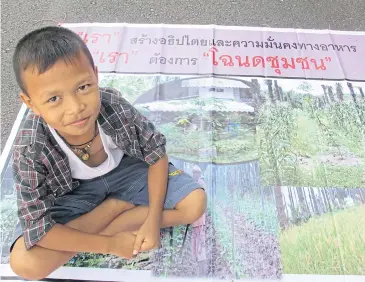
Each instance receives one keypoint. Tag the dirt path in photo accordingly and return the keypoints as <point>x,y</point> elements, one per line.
<point>256,251</point>
<point>181,263</point>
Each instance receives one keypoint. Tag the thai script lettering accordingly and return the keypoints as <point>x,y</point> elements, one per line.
<point>278,63</point>
<point>270,43</point>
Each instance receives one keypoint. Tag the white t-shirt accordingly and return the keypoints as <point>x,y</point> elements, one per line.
<point>79,169</point>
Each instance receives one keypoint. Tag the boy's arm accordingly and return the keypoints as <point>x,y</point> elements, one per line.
<point>64,238</point>
<point>152,148</point>
<point>148,236</point>
<point>157,186</point>
<point>33,197</point>
<point>151,145</point>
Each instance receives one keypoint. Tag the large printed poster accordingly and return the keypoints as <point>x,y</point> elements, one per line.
<point>270,122</point>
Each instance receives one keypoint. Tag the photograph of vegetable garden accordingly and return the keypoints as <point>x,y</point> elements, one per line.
<point>304,133</point>
<point>283,164</point>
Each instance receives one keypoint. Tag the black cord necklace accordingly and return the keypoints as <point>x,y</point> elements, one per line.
<point>85,142</point>
<point>82,152</point>
<point>96,134</point>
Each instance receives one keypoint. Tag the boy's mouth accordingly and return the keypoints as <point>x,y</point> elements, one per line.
<point>80,122</point>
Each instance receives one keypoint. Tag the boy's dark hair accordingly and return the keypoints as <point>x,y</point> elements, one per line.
<point>43,47</point>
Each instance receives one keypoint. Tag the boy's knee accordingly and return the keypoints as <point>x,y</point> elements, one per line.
<point>194,205</point>
<point>25,269</point>
<point>24,266</point>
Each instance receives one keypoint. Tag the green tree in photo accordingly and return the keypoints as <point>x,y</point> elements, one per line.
<point>339,91</point>
<point>330,94</point>
<point>361,93</point>
<point>271,91</point>
<point>277,91</point>
<point>279,162</point>
<point>352,92</point>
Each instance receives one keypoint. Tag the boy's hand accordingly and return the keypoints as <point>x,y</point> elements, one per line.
<point>122,244</point>
<point>148,236</point>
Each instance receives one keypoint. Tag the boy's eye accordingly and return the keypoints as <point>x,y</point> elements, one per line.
<point>84,87</point>
<point>53,99</point>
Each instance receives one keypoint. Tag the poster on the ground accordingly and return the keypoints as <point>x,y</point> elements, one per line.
<point>270,122</point>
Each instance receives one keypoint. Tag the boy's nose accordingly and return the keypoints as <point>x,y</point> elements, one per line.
<point>74,105</point>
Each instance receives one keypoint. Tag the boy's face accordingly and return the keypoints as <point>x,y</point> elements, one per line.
<point>66,96</point>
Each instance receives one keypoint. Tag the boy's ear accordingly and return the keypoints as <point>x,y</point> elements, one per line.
<point>26,99</point>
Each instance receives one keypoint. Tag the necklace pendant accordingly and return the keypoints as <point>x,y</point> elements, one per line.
<point>85,157</point>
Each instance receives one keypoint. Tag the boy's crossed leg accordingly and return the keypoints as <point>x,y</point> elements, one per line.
<point>38,262</point>
<point>109,218</point>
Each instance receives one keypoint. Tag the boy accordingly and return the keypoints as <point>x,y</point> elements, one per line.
<point>91,173</point>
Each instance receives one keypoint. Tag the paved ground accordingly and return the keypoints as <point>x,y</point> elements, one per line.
<point>19,17</point>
